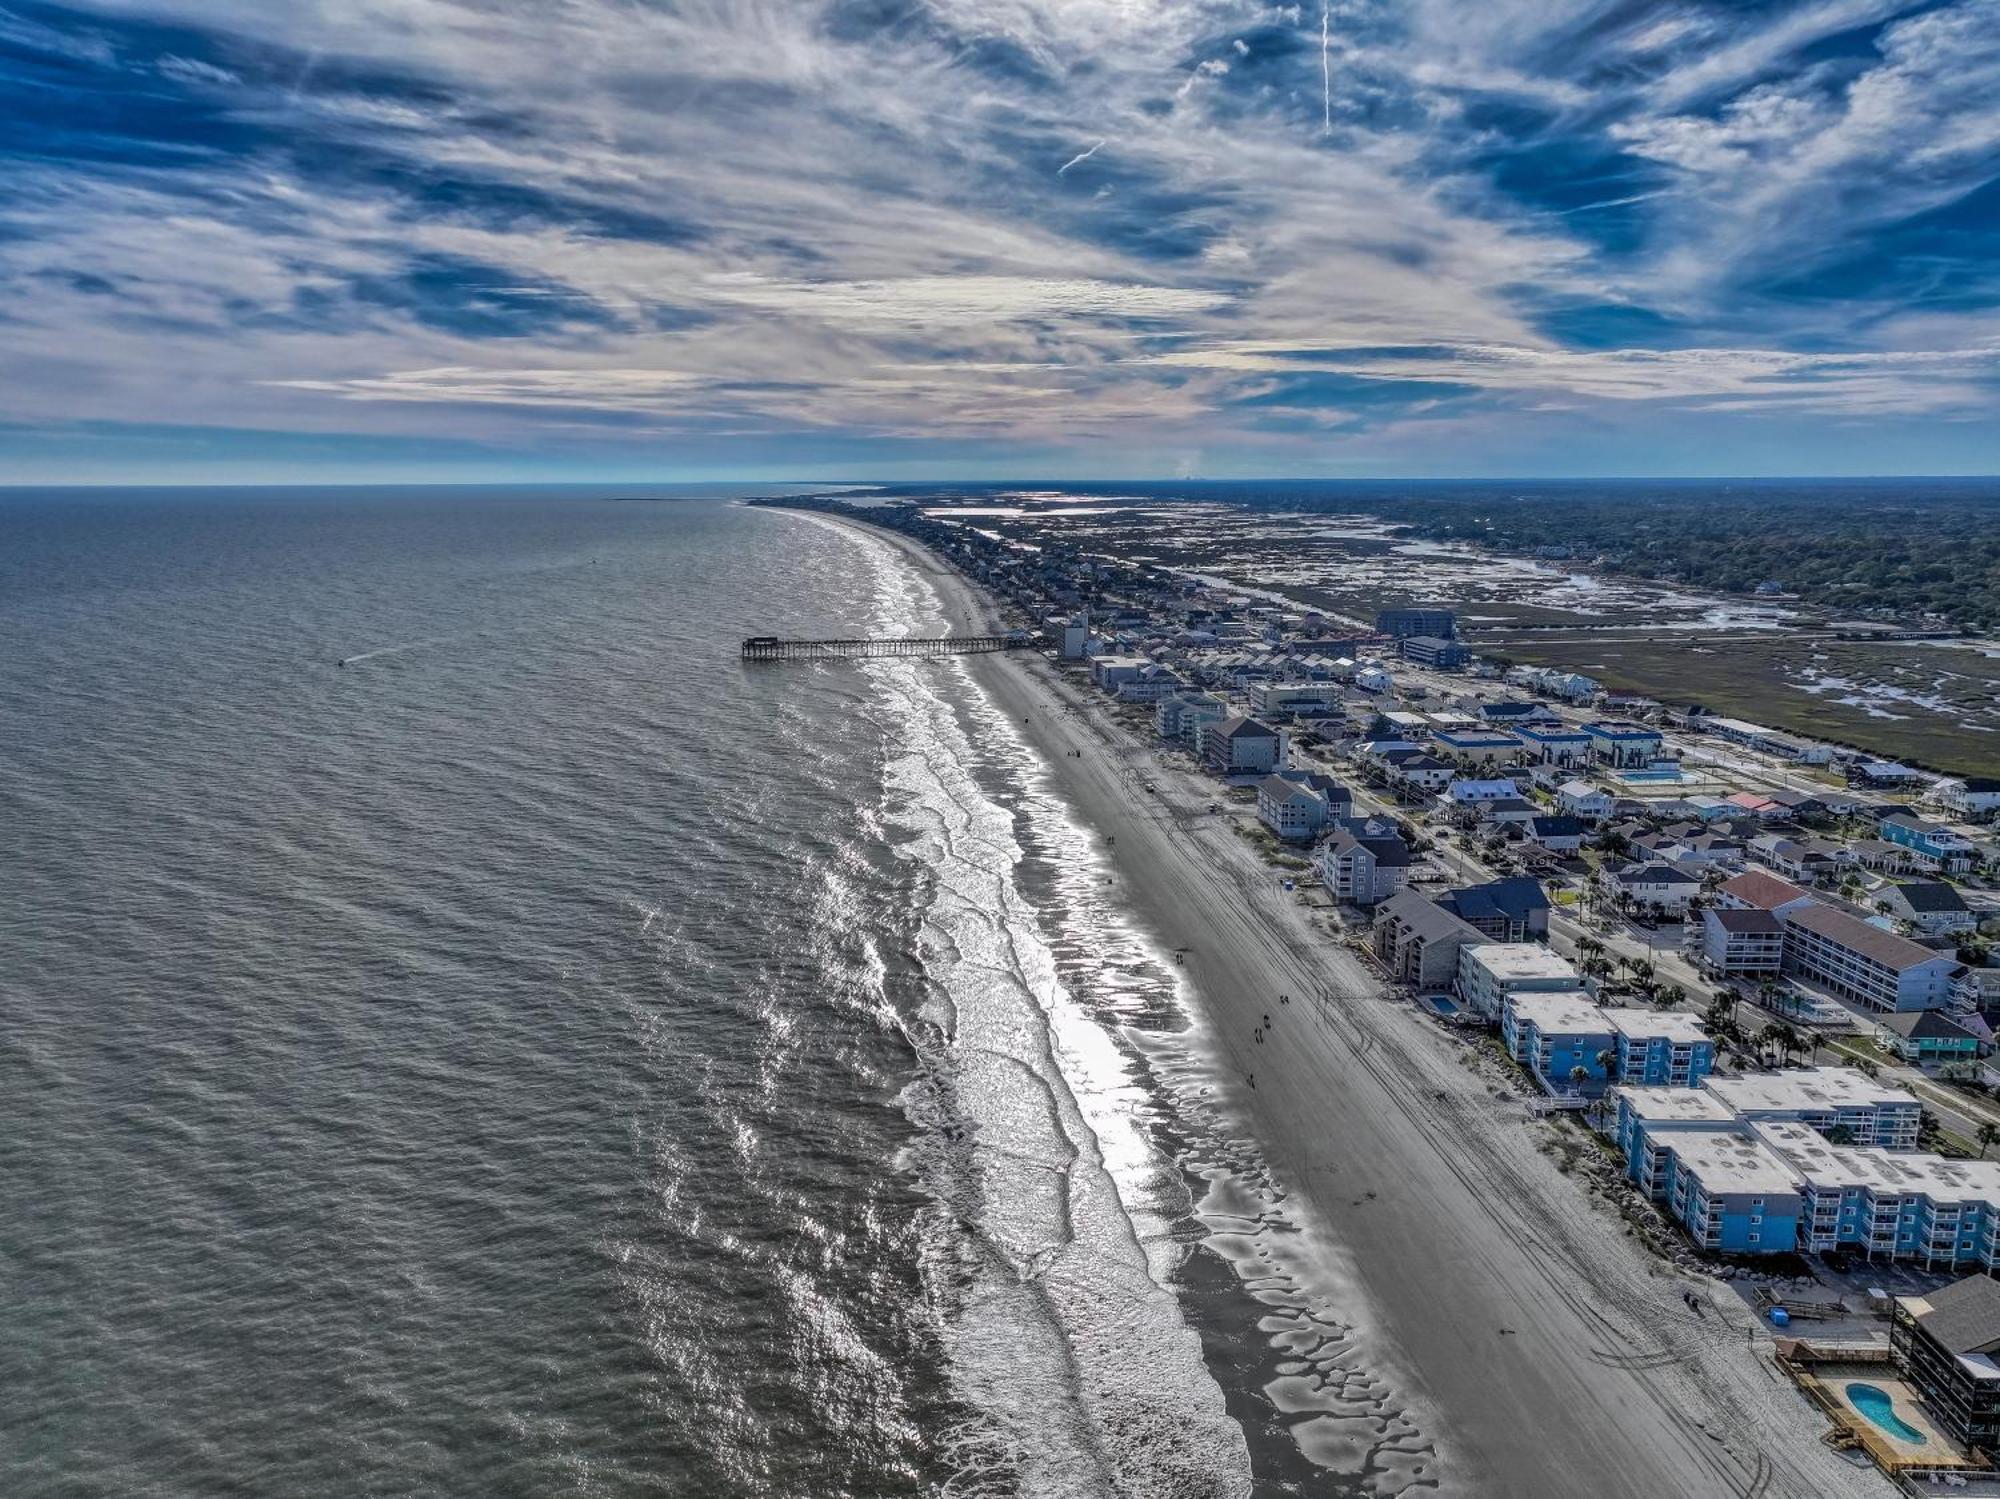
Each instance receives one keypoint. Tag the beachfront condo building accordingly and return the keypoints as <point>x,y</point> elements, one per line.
<point>1946,1343</point>
<point>1488,972</point>
<point>1297,805</point>
<point>1660,1048</point>
<point>1732,1193</point>
<point>1418,941</point>
<point>1240,746</point>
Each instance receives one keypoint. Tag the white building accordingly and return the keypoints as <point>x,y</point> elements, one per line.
<point>1584,801</point>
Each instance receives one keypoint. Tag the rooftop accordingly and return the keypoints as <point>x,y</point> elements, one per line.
<point>1566,1012</point>
<point>1750,922</point>
<point>1727,1162</point>
<point>1682,1105</point>
<point>1802,1089</point>
<point>1675,1026</point>
<point>1859,936</point>
<point>1964,1316</point>
<point>1765,891</point>
<point>1521,960</point>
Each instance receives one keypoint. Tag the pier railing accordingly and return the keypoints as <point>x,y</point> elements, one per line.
<point>772,648</point>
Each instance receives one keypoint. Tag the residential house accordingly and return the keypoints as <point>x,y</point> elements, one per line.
<point>1805,861</point>
<point>1241,746</point>
<point>1927,1036</point>
<point>1467,792</point>
<point>1418,941</point>
<point>1509,811</point>
<point>1753,890</point>
<point>1373,679</point>
<point>1583,801</point>
<point>1489,972</point>
<point>1934,845</point>
<point>1427,773</point>
<point>1932,907</point>
<point>1516,715</point>
<point>1623,744</point>
<point>1974,797</point>
<point>1514,909</point>
<point>1559,835</point>
<point>1109,671</point>
<point>1665,888</point>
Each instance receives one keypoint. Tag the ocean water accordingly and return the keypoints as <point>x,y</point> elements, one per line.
<point>466,1033</point>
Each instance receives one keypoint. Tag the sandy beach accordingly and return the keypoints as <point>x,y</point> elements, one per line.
<point>1538,1350</point>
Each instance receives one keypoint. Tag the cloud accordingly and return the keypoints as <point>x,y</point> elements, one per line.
<point>830,217</point>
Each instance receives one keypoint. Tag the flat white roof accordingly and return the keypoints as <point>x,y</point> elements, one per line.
<point>1803,1088</point>
<point>1644,1025</point>
<point>1837,1167</point>
<point>1567,1012</point>
<point>1519,960</point>
<point>1731,1163</point>
<point>1686,1105</point>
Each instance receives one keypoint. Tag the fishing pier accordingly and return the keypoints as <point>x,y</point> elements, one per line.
<point>773,648</point>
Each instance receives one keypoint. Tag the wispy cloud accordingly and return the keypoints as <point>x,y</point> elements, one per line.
<point>753,216</point>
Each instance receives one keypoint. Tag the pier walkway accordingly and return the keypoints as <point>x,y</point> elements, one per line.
<point>772,648</point>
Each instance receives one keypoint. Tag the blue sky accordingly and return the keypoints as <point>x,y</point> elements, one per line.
<point>577,239</point>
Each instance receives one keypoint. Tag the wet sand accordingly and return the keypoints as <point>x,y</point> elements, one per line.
<point>1493,1306</point>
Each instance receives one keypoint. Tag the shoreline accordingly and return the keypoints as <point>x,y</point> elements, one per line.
<point>1538,1349</point>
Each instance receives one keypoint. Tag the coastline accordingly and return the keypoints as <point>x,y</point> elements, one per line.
<point>1535,1349</point>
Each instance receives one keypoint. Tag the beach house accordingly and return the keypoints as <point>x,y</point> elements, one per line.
<point>1930,907</point>
<point>1932,845</point>
<point>1553,746</point>
<point>1583,801</point>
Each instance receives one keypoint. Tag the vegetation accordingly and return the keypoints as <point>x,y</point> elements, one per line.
<point>1862,548</point>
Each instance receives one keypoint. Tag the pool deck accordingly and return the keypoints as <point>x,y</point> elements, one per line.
<point>1824,1375</point>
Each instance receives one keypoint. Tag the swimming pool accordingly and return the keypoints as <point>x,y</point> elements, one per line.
<point>1653,777</point>
<point>1880,1407</point>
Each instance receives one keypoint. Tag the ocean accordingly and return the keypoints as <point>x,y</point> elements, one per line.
<point>467,1033</point>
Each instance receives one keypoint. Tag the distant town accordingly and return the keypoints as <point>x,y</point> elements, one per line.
<point>1757,969</point>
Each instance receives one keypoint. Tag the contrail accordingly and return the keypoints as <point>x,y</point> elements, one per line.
<point>1074,160</point>
<point>1325,77</point>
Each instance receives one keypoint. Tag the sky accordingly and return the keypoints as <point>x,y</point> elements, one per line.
<point>482,240</point>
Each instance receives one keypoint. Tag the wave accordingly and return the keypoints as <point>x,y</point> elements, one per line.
<point>1062,1325</point>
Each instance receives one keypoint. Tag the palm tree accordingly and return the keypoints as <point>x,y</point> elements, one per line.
<point>1669,996</point>
<point>1986,1134</point>
<point>1843,1134</point>
<point>1578,1076</point>
<point>1771,1035</point>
